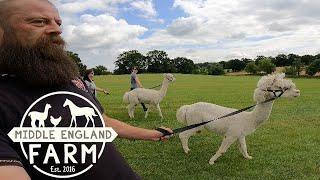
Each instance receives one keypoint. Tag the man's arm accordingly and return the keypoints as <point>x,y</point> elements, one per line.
<point>13,173</point>
<point>126,131</point>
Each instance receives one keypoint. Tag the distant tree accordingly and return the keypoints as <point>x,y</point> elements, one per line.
<point>168,66</point>
<point>317,56</point>
<point>76,58</point>
<point>295,68</point>
<point>297,64</point>
<point>157,61</point>
<point>266,66</point>
<point>260,58</point>
<point>215,69</point>
<point>184,65</point>
<point>251,68</point>
<point>236,65</point>
<point>281,60</point>
<point>292,58</point>
<point>307,59</point>
<point>100,70</point>
<point>246,60</point>
<point>126,60</point>
<point>201,68</point>
<point>224,64</point>
<point>313,68</point>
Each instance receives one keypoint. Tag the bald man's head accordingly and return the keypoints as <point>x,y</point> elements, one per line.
<point>7,6</point>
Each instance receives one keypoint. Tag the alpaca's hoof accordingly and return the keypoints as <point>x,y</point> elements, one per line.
<point>248,157</point>
<point>186,151</point>
<point>211,162</point>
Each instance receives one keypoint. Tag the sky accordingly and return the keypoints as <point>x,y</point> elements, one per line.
<point>202,30</point>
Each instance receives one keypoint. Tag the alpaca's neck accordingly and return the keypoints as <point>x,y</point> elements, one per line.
<point>262,112</point>
<point>46,110</point>
<point>164,87</point>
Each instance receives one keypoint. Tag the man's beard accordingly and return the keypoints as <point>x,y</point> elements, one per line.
<point>45,64</point>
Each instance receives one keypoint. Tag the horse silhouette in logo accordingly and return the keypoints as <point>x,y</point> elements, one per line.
<point>39,116</point>
<point>55,121</point>
<point>79,111</point>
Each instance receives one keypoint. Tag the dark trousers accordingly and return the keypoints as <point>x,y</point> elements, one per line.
<point>142,104</point>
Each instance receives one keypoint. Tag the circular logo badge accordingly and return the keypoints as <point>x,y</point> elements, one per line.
<point>62,134</point>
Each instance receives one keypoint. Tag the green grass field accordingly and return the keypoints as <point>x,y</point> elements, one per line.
<point>287,146</point>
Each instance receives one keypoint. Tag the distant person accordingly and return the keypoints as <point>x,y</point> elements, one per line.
<point>88,79</point>
<point>135,83</point>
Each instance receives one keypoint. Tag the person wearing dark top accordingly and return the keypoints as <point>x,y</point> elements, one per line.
<point>33,63</point>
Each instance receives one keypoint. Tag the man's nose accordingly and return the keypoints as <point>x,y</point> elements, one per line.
<point>54,28</point>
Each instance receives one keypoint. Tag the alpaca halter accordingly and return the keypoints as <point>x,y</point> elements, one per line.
<point>179,130</point>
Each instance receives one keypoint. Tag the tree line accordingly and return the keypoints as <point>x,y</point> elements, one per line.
<point>157,61</point>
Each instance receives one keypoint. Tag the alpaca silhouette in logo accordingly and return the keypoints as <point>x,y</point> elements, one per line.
<point>55,121</point>
<point>79,111</point>
<point>39,116</point>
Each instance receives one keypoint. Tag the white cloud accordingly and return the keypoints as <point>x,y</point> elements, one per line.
<point>98,36</point>
<point>216,30</point>
<point>209,30</point>
<point>145,7</point>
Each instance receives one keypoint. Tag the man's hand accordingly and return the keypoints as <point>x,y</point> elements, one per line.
<point>160,132</point>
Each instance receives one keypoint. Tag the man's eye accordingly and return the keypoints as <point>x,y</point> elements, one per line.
<point>39,22</point>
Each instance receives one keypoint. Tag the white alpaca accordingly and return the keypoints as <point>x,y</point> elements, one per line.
<point>147,96</point>
<point>39,116</point>
<point>238,126</point>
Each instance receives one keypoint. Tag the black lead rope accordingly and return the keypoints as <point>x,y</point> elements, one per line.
<point>179,130</point>
<point>154,86</point>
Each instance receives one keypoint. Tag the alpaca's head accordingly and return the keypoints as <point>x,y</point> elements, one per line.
<point>169,77</point>
<point>275,82</point>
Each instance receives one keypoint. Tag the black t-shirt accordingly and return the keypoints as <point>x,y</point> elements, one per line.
<point>15,98</point>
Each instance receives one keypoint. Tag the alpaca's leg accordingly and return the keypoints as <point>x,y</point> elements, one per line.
<point>184,137</point>
<point>160,113</point>
<point>131,110</point>
<point>33,123</point>
<point>42,123</point>
<point>243,147</point>
<point>226,143</point>
<point>147,112</point>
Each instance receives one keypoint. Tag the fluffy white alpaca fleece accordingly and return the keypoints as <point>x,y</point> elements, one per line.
<point>147,96</point>
<point>238,126</point>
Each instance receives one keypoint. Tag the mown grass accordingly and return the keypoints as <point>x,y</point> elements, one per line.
<point>287,146</point>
